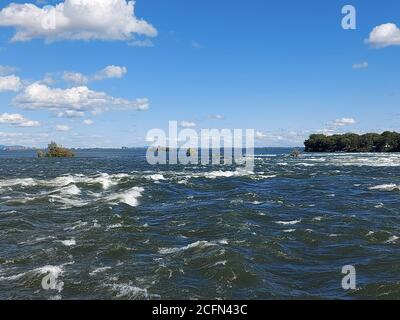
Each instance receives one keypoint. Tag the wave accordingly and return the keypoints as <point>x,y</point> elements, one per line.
<point>197,244</point>
<point>155,177</point>
<point>226,174</point>
<point>27,182</point>
<point>54,271</point>
<point>289,230</point>
<point>392,239</point>
<point>385,187</point>
<point>129,291</point>
<point>365,160</point>
<point>98,270</point>
<point>285,223</point>
<point>68,243</point>
<point>104,179</point>
<point>129,197</point>
<point>68,202</point>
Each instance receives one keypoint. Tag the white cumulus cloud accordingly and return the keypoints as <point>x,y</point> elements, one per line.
<point>70,114</point>
<point>10,83</point>
<point>17,120</point>
<point>40,96</point>
<point>88,122</point>
<point>110,72</point>
<point>75,78</point>
<point>62,127</point>
<point>384,35</point>
<point>5,70</point>
<point>344,122</point>
<point>76,20</point>
<point>146,43</point>
<point>362,65</point>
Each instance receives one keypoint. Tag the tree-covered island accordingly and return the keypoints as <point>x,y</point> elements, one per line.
<point>351,142</point>
<point>55,151</point>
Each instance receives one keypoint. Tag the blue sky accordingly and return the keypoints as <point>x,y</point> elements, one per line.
<point>285,68</point>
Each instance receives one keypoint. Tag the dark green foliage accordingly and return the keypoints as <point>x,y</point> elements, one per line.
<point>351,142</point>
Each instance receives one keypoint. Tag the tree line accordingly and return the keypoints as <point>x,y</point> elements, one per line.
<point>351,142</point>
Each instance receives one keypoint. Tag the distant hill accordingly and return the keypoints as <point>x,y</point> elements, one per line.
<point>12,148</point>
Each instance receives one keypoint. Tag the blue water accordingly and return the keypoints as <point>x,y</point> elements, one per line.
<point>106,225</point>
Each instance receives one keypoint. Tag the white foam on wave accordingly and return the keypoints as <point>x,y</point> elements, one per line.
<point>221,263</point>
<point>69,243</point>
<point>68,202</point>
<point>114,226</point>
<point>385,187</point>
<point>36,240</point>
<point>54,271</point>
<point>105,179</point>
<point>99,270</point>
<point>129,197</point>
<point>305,164</point>
<point>289,230</point>
<point>392,239</point>
<point>365,159</point>
<point>156,177</point>
<point>27,182</point>
<point>71,190</point>
<point>226,174</point>
<point>285,223</point>
<point>76,225</point>
<point>130,291</point>
<point>24,200</point>
<point>197,244</point>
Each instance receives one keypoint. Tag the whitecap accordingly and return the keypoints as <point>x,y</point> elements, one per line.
<point>69,243</point>
<point>289,230</point>
<point>385,187</point>
<point>76,225</point>
<point>304,164</point>
<point>129,197</point>
<point>68,202</point>
<point>392,239</point>
<point>114,226</point>
<point>293,222</point>
<point>99,270</point>
<point>71,190</point>
<point>130,291</point>
<point>221,263</point>
<point>54,271</point>
<point>219,174</point>
<point>197,244</point>
<point>26,182</point>
<point>155,177</point>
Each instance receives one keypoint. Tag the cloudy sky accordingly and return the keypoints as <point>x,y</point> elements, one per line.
<point>101,73</point>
